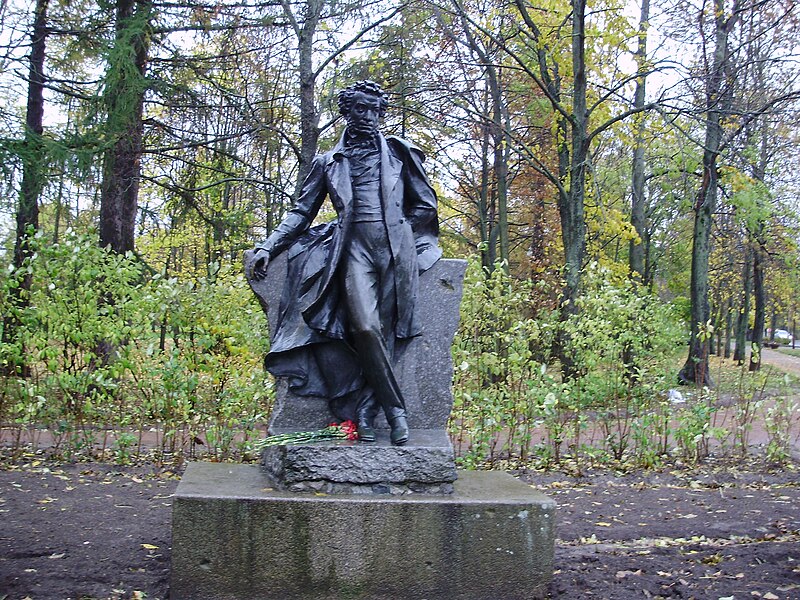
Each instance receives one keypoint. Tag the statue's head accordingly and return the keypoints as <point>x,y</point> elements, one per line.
<point>363,104</point>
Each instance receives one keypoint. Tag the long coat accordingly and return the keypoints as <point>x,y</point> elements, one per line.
<point>312,310</point>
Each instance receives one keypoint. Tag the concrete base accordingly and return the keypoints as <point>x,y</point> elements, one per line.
<point>235,538</point>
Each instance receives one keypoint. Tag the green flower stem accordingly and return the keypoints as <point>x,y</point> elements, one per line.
<point>300,437</point>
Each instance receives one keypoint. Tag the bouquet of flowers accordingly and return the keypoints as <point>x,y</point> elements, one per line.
<point>346,430</point>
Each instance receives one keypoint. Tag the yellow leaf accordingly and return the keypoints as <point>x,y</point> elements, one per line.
<point>603,524</point>
<point>149,547</point>
<point>624,574</point>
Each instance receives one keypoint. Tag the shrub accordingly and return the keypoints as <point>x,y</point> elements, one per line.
<point>510,399</point>
<point>112,349</point>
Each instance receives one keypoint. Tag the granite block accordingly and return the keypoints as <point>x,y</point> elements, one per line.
<point>426,462</point>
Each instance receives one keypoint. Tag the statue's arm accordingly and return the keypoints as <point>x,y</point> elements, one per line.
<point>420,201</point>
<point>302,214</point>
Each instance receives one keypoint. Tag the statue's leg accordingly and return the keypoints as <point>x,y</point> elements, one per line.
<point>367,274</point>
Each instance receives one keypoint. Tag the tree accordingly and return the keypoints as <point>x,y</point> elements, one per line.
<point>304,19</point>
<point>476,106</point>
<point>718,99</point>
<point>636,256</point>
<point>33,156</point>
<point>125,87</point>
<point>729,109</point>
<point>579,123</point>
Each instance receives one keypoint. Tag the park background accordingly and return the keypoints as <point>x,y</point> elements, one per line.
<point>622,178</point>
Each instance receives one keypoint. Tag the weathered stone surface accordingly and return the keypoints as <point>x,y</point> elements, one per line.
<point>236,539</point>
<point>426,459</point>
<point>425,369</point>
<point>393,489</point>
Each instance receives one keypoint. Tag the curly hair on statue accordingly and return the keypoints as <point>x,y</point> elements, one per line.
<point>367,87</point>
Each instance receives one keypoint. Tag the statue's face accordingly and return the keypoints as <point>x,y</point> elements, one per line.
<point>365,110</point>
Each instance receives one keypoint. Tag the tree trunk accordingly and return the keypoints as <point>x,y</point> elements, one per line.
<point>773,322</point>
<point>496,126</point>
<point>571,204</point>
<point>695,370</point>
<point>760,255</point>
<point>718,100</point>
<point>743,321</point>
<point>33,163</point>
<point>309,116</point>
<point>636,254</point>
<point>488,246</point>
<point>761,299</point>
<point>728,327</point>
<point>125,89</point>
<point>501,149</point>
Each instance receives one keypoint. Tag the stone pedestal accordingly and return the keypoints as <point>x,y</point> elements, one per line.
<point>235,537</point>
<point>339,520</point>
<point>424,465</point>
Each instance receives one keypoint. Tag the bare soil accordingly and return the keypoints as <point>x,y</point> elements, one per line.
<point>724,530</point>
<point>84,530</point>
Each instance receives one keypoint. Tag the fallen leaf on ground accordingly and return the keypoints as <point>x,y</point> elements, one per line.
<point>624,574</point>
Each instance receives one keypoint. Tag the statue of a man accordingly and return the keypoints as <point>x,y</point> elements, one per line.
<point>349,301</point>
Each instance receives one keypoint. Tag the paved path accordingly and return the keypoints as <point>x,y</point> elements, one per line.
<point>781,360</point>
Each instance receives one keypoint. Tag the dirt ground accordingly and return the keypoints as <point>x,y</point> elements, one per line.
<point>718,532</point>
<point>89,530</point>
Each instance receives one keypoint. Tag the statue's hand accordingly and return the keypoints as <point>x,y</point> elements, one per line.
<point>258,267</point>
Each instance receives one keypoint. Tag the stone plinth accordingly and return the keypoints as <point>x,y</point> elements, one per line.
<point>424,465</point>
<point>425,365</point>
<point>236,538</point>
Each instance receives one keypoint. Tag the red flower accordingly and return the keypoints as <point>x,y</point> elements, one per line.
<point>350,430</point>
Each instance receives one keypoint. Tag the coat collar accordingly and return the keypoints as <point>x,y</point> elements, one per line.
<point>339,150</point>
<point>337,153</point>
<point>391,166</point>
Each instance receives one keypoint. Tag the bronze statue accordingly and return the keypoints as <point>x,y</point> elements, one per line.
<point>349,301</point>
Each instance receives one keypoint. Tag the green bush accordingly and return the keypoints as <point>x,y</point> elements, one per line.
<point>510,399</point>
<point>112,349</point>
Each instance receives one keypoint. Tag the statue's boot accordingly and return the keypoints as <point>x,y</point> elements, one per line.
<point>397,421</point>
<point>366,411</point>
